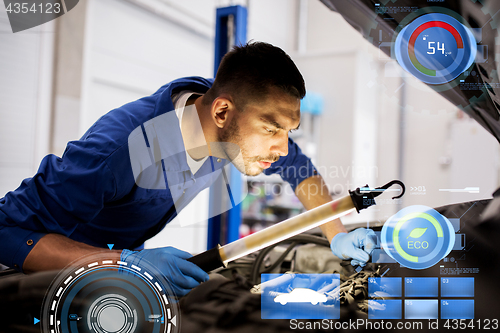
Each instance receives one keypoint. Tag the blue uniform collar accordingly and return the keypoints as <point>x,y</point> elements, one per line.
<point>164,104</point>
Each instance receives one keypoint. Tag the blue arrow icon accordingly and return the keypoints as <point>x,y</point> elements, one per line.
<point>35,321</point>
<point>111,246</point>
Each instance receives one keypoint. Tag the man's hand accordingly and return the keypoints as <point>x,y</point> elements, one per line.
<point>171,262</point>
<point>358,245</point>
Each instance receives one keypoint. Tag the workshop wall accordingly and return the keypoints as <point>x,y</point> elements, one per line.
<point>26,62</point>
<point>130,52</point>
<point>69,39</point>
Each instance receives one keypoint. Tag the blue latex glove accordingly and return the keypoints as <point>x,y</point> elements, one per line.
<point>171,262</point>
<point>358,245</point>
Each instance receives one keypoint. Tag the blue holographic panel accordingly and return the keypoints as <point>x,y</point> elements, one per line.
<point>421,309</point>
<point>457,287</point>
<point>421,287</point>
<point>457,309</point>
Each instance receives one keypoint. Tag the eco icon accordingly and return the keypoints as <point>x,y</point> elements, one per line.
<point>417,233</point>
<point>417,237</point>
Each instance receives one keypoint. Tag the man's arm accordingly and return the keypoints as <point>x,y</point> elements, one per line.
<point>313,192</point>
<point>356,245</point>
<point>300,173</point>
<point>65,192</point>
<point>54,252</point>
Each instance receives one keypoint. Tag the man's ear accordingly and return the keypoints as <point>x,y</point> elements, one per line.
<point>221,112</point>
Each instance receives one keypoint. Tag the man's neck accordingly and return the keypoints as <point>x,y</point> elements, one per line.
<point>206,122</point>
<point>194,139</point>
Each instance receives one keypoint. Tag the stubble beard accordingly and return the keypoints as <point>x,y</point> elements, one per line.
<point>243,164</point>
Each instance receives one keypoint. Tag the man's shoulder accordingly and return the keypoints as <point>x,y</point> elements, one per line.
<point>112,130</point>
<point>194,83</point>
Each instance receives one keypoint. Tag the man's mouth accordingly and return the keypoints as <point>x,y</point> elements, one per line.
<point>264,165</point>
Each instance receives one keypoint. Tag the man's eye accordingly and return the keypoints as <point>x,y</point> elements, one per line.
<point>269,130</point>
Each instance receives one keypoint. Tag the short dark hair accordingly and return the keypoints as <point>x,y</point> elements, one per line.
<point>248,71</point>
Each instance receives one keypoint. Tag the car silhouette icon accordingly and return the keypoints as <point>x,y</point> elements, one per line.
<point>301,295</point>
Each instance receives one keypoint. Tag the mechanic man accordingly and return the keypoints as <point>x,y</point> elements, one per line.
<point>93,196</point>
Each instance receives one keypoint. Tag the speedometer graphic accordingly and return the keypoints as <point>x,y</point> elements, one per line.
<point>99,295</point>
<point>436,48</point>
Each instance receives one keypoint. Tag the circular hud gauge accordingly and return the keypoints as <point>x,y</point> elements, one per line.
<point>436,48</point>
<point>417,237</point>
<point>99,295</point>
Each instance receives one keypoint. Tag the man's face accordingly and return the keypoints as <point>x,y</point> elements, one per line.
<point>261,131</point>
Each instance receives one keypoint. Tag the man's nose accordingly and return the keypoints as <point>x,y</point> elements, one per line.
<point>280,146</point>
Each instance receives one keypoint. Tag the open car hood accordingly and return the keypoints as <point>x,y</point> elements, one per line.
<point>421,34</point>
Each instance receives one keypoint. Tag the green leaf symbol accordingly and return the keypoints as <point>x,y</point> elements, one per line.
<point>417,232</point>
